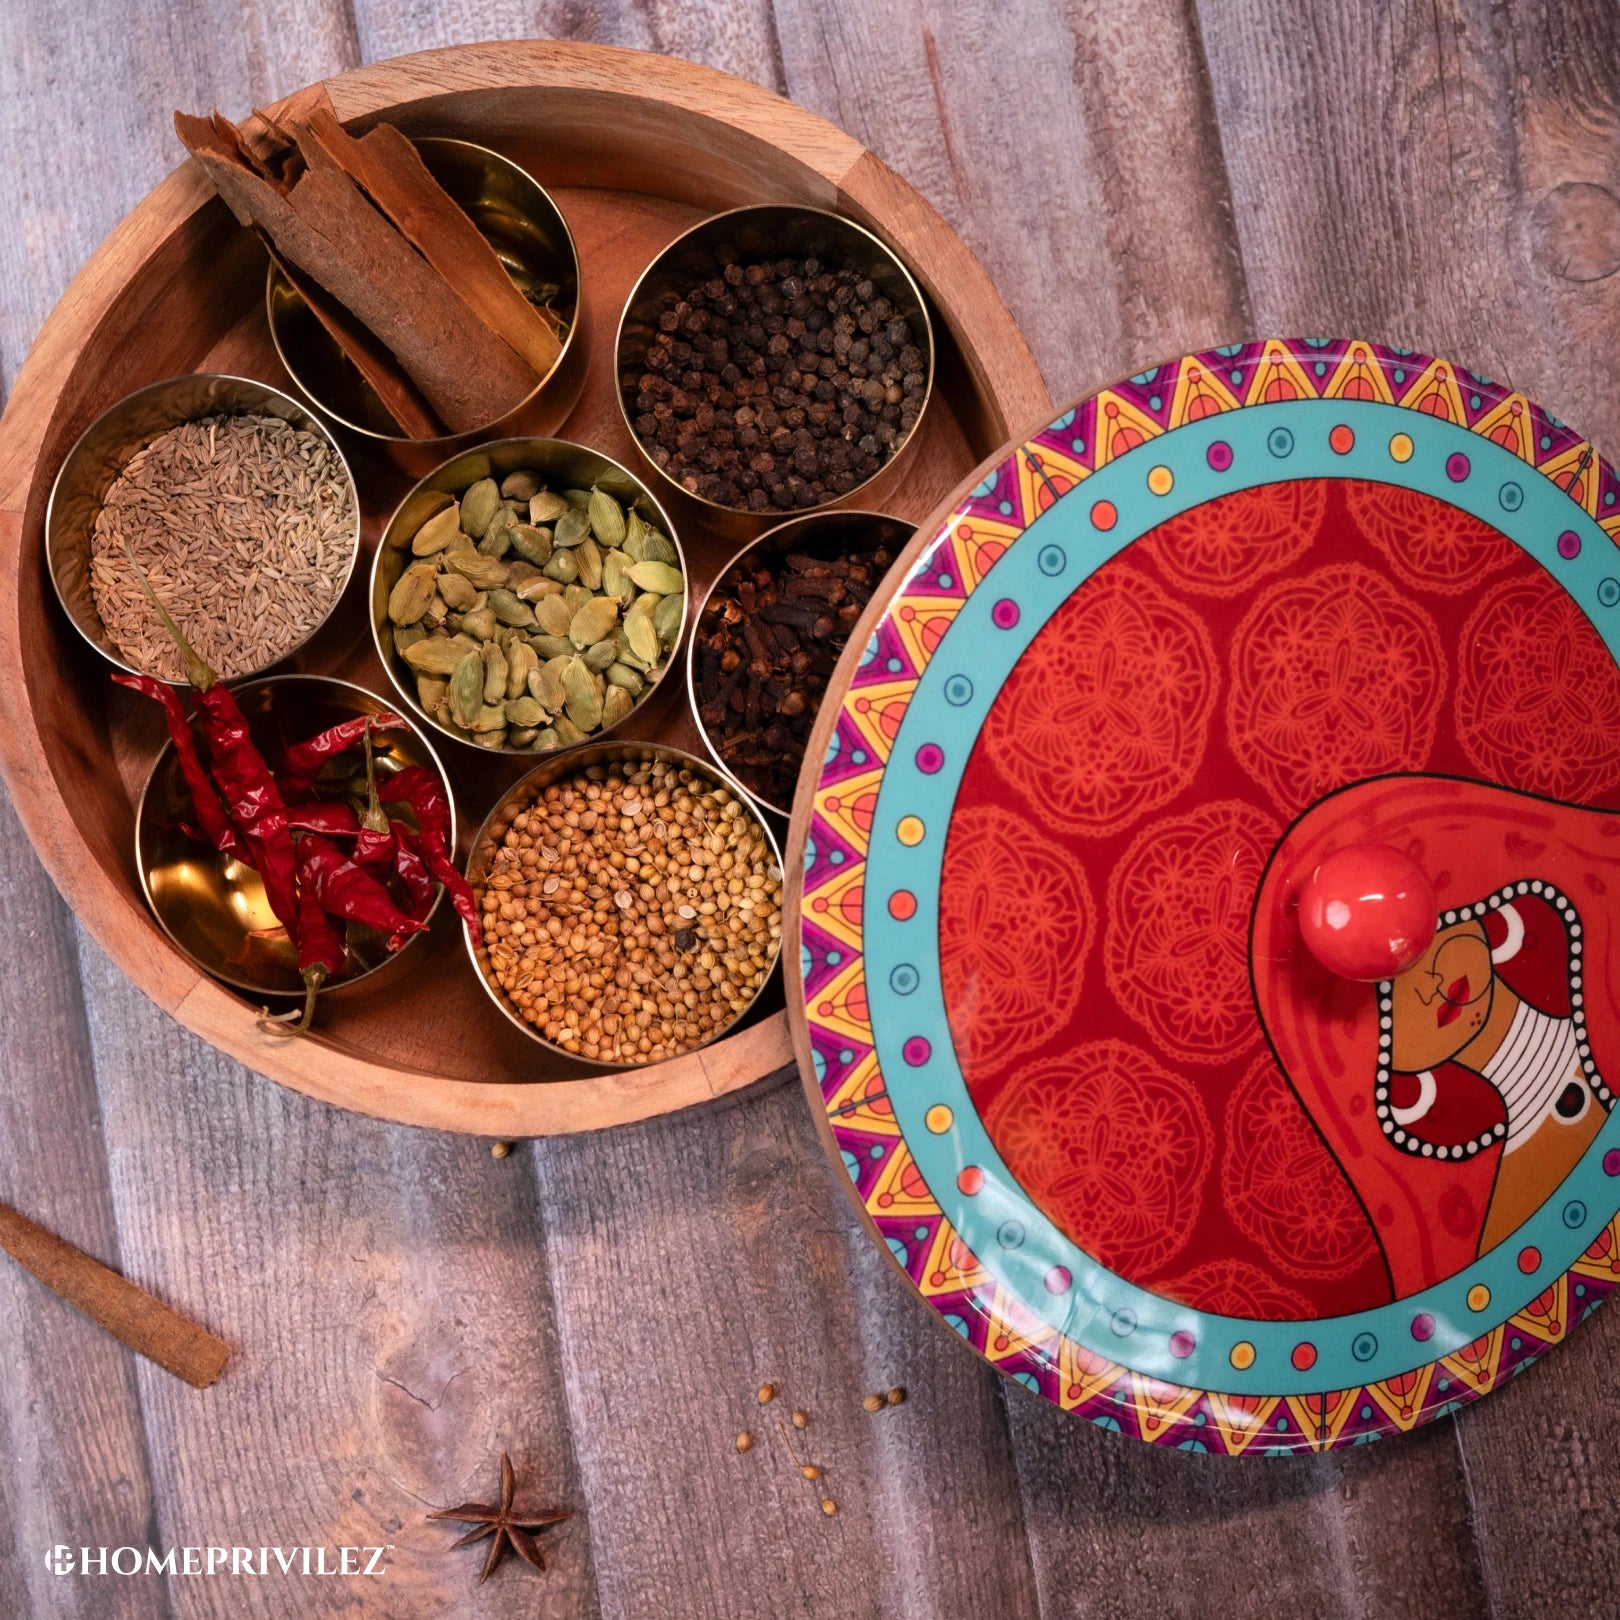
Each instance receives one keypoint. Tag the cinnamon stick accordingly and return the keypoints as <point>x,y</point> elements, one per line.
<point>391,172</point>
<point>394,390</point>
<point>130,1314</point>
<point>322,225</point>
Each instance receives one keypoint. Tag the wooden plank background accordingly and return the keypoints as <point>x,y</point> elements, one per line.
<point>1139,180</point>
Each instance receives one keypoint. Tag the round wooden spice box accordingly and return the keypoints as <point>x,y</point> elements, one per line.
<point>635,148</point>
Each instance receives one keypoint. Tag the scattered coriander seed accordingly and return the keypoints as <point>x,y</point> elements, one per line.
<point>745,1441</point>
<point>828,1506</point>
<point>896,1396</point>
<point>810,1471</point>
<point>499,1150</point>
<point>873,1403</point>
<point>801,1420</point>
<point>767,1394</point>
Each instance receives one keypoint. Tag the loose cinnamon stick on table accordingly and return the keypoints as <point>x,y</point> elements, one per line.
<point>129,1313</point>
<point>391,172</point>
<point>323,226</point>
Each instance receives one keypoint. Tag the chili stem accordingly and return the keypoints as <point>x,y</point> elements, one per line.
<point>295,1022</point>
<point>198,674</point>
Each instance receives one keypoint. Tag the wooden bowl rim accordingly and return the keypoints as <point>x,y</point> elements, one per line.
<point>992,346</point>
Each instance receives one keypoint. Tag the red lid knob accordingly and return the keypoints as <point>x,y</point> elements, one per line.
<point>1367,912</point>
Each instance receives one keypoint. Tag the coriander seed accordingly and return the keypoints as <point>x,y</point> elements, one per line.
<point>745,1441</point>
<point>499,1150</point>
<point>767,1394</point>
<point>896,1396</point>
<point>810,1471</point>
<point>801,1420</point>
<point>873,1403</point>
<point>828,1506</point>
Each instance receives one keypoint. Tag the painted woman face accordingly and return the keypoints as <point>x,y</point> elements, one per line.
<point>1443,999</point>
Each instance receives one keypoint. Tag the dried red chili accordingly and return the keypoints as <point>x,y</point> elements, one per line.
<point>302,763</point>
<point>321,947</point>
<point>347,891</point>
<point>240,774</point>
<point>421,790</point>
<point>411,870</point>
<point>214,825</point>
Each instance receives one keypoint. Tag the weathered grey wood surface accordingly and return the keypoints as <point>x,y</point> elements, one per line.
<point>1139,180</point>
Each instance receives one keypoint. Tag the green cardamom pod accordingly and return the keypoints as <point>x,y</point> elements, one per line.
<point>598,658</point>
<point>545,738</point>
<point>497,539</point>
<point>533,590</point>
<point>458,593</point>
<point>484,572</point>
<point>552,646</point>
<point>623,675</point>
<point>606,516</point>
<point>566,732</point>
<point>562,567</point>
<point>407,635</point>
<point>490,717</point>
<point>588,560</point>
<point>616,575</point>
<point>481,622</point>
<point>510,609</point>
<point>438,655</point>
<point>531,544</point>
<point>635,536</point>
<point>546,507</point>
<point>412,592</point>
<point>577,497</point>
<point>571,528</point>
<point>667,618</point>
<point>639,632</point>
<point>524,711</point>
<point>523,737</point>
<point>658,577</point>
<point>492,740</point>
<point>583,697</point>
<point>430,690</point>
<point>434,535</point>
<point>521,662</point>
<point>478,506</point>
<point>495,670</point>
<point>593,621</point>
<point>616,704</point>
<point>656,548</point>
<point>519,486</point>
<point>460,541</point>
<point>546,684</point>
<point>552,614</point>
<point>467,690</point>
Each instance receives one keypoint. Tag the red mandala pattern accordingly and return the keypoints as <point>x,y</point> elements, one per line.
<point>1106,715</point>
<point>1225,545</point>
<point>1234,1287</point>
<point>1112,1146</point>
<point>1428,544</point>
<point>1281,1187</point>
<point>1538,695</point>
<point>1176,950</point>
<point>1009,895</point>
<point>1335,676</point>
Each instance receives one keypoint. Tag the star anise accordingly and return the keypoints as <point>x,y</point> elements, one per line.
<point>505,1523</point>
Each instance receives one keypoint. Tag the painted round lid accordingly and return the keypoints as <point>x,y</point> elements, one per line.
<point>1289,620</point>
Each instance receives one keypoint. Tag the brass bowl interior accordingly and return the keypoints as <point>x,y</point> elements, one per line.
<point>574,762</point>
<point>825,535</point>
<point>562,465</point>
<point>517,217</point>
<point>105,448</point>
<point>766,231</point>
<point>211,905</point>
